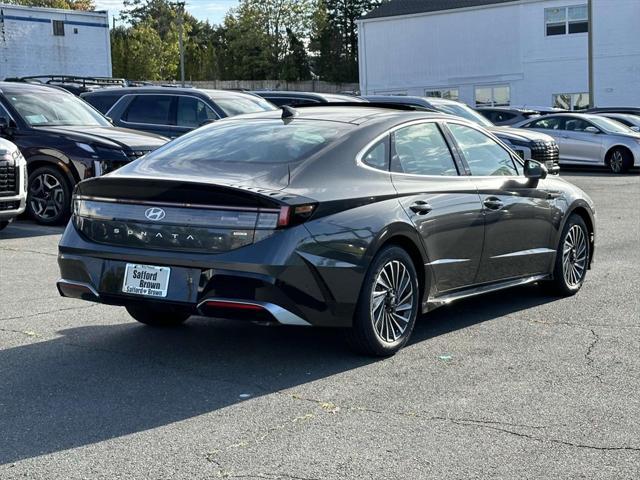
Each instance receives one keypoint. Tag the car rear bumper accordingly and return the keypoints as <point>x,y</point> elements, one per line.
<point>262,281</point>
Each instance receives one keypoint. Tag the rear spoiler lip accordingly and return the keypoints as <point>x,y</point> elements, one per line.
<point>280,197</point>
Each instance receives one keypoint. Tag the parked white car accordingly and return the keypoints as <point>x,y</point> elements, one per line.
<point>589,139</point>
<point>13,190</point>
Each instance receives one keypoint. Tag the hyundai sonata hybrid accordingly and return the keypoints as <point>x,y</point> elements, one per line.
<point>336,216</point>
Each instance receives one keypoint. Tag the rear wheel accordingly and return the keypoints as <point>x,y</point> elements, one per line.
<point>620,160</point>
<point>155,316</point>
<point>49,196</point>
<point>572,258</point>
<point>388,304</point>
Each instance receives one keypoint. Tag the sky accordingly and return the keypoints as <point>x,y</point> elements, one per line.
<point>212,10</point>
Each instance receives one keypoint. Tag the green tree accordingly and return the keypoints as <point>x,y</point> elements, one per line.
<point>68,4</point>
<point>296,62</point>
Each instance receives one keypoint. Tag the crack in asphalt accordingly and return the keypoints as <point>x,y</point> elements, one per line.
<point>22,317</point>
<point>584,326</point>
<point>19,250</point>
<point>587,355</point>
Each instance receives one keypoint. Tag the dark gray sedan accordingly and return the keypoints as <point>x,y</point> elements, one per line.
<point>354,217</point>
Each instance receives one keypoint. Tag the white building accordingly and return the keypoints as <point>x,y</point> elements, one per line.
<point>503,52</point>
<point>38,41</point>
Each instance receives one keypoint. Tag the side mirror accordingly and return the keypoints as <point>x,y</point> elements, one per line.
<point>535,170</point>
<point>110,120</point>
<point>4,125</point>
<point>591,129</point>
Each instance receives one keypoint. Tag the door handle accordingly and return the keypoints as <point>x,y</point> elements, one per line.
<point>421,207</point>
<point>493,203</point>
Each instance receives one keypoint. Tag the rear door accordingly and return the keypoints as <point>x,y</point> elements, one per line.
<point>580,145</point>
<point>443,205</point>
<point>518,213</point>
<point>149,113</point>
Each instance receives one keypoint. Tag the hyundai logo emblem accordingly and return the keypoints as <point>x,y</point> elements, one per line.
<point>156,214</point>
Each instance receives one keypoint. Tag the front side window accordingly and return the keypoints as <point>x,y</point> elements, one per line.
<point>150,109</point>
<point>547,123</point>
<point>446,93</point>
<point>192,112</point>
<point>421,150</point>
<point>566,20</point>
<point>493,96</point>
<point>576,125</point>
<point>483,154</point>
<point>571,101</point>
<point>377,156</point>
<point>52,107</point>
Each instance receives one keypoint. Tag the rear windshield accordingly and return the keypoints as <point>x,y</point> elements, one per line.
<point>238,104</point>
<point>248,141</point>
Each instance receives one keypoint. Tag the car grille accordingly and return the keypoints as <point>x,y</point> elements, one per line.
<point>545,152</point>
<point>8,178</point>
<point>135,154</point>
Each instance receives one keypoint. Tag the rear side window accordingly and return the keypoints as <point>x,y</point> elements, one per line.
<point>151,109</point>
<point>102,103</point>
<point>247,141</point>
<point>292,101</point>
<point>192,112</point>
<point>421,150</point>
<point>484,156</point>
<point>377,156</point>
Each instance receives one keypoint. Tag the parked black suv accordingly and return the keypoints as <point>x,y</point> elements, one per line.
<point>172,111</point>
<point>64,141</point>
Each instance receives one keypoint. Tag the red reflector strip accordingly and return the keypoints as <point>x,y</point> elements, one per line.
<point>283,217</point>
<point>233,305</point>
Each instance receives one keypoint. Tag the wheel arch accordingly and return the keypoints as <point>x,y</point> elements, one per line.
<point>67,169</point>
<point>583,210</point>
<point>622,147</point>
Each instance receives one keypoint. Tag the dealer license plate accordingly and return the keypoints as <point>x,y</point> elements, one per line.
<point>147,280</point>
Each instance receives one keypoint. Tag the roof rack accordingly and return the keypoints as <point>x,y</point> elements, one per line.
<point>387,105</point>
<point>70,79</point>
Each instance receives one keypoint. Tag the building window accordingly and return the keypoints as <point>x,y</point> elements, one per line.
<point>493,96</point>
<point>58,28</point>
<point>564,20</point>
<point>571,101</point>
<point>448,93</point>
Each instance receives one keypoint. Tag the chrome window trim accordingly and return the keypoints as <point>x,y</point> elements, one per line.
<point>359,156</point>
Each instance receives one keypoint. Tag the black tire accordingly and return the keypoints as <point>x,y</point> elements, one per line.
<point>156,316</point>
<point>620,160</point>
<point>4,224</point>
<point>570,255</point>
<point>48,196</point>
<point>391,318</point>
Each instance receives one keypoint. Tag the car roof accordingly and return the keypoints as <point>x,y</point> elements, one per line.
<point>329,97</point>
<point>352,114</point>
<point>507,109</point>
<point>33,87</point>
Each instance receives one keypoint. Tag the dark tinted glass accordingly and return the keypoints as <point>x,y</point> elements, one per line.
<point>575,124</point>
<point>546,123</point>
<point>483,155</point>
<point>153,109</point>
<point>578,27</point>
<point>257,141</point>
<point>102,102</point>
<point>421,150</point>
<point>557,29</point>
<point>192,112</point>
<point>293,102</point>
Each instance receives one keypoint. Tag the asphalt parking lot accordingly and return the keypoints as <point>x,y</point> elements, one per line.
<point>514,385</point>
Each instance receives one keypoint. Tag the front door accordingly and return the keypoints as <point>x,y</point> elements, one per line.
<point>518,214</point>
<point>444,206</point>
<point>579,144</point>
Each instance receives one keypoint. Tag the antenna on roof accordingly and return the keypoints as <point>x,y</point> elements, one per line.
<point>288,112</point>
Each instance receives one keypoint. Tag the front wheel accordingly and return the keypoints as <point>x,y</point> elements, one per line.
<point>49,196</point>
<point>572,258</point>
<point>165,316</point>
<point>388,304</point>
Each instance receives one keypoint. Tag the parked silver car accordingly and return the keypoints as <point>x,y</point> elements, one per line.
<point>13,184</point>
<point>587,139</point>
<point>631,121</point>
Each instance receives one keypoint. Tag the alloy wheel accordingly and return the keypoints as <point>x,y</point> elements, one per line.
<point>616,161</point>
<point>574,256</point>
<point>46,196</point>
<point>392,301</point>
